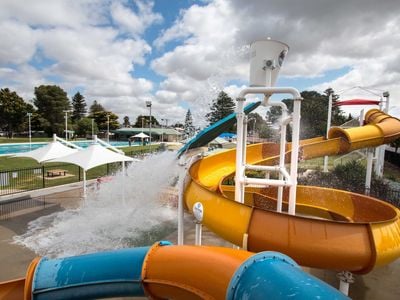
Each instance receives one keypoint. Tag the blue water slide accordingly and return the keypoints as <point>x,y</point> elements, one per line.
<point>266,275</point>
<point>272,275</point>
<point>99,275</point>
<point>208,134</point>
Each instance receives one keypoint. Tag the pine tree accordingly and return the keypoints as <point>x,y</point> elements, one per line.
<point>188,127</point>
<point>126,122</point>
<point>220,108</point>
<point>96,107</point>
<point>78,107</point>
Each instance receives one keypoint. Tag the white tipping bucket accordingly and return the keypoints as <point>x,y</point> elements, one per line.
<point>266,59</point>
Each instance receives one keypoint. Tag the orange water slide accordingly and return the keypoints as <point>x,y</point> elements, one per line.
<point>332,229</point>
<point>164,271</point>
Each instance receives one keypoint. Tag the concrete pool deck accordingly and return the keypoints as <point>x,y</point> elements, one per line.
<point>381,283</point>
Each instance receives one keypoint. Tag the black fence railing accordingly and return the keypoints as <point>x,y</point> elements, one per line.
<point>29,179</point>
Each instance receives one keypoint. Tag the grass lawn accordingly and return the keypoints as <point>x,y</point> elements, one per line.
<point>4,140</point>
<point>31,175</point>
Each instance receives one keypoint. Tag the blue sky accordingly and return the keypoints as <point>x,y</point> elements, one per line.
<point>180,54</point>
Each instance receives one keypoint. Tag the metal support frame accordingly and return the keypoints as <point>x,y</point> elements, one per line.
<point>198,235</point>
<point>345,278</point>
<point>368,176</point>
<point>285,178</point>
<point>328,126</point>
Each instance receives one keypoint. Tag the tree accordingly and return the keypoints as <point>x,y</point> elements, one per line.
<point>188,128</point>
<point>144,121</point>
<point>314,113</point>
<point>78,107</point>
<point>96,107</point>
<point>395,144</point>
<point>220,108</point>
<point>83,127</point>
<point>126,122</point>
<point>256,123</point>
<point>102,121</point>
<point>13,110</point>
<point>51,102</point>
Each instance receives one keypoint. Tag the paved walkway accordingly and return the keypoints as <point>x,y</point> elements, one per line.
<point>382,283</point>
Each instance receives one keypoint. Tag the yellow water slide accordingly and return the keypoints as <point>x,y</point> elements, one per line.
<point>332,229</point>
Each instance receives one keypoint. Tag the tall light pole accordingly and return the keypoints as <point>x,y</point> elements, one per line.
<point>92,127</point>
<point>29,129</point>
<point>66,123</point>
<point>148,104</point>
<point>108,128</point>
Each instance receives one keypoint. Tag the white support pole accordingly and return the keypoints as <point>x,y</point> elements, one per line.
<point>239,187</point>
<point>198,236</point>
<point>328,126</point>
<point>181,183</point>
<point>84,184</point>
<point>370,157</point>
<point>30,131</point>
<point>294,155</point>
<point>282,151</point>
<point>345,278</point>
<point>123,183</point>
<point>361,118</point>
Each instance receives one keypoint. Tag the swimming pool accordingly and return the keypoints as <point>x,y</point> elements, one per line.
<point>8,149</point>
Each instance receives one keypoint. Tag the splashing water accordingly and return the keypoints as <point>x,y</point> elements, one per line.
<point>104,220</point>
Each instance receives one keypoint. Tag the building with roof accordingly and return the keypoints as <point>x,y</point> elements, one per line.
<point>157,134</point>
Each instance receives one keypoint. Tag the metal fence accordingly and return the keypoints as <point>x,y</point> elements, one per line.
<point>29,179</point>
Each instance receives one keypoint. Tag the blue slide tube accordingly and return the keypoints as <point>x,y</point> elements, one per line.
<point>99,275</point>
<point>272,275</point>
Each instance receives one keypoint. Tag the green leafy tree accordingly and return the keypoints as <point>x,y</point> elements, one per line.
<point>96,107</point>
<point>51,102</point>
<point>78,107</point>
<point>188,128</point>
<point>395,144</point>
<point>314,113</point>
<point>144,121</point>
<point>102,120</point>
<point>13,110</point>
<point>83,127</point>
<point>126,122</point>
<point>220,108</point>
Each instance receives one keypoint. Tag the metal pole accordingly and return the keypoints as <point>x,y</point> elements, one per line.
<point>92,127</point>
<point>239,151</point>
<point>180,208</point>
<point>162,131</point>
<point>328,126</point>
<point>108,128</point>
<point>370,156</point>
<point>66,125</point>
<point>198,234</point>
<point>150,126</point>
<point>29,128</point>
<point>294,155</point>
<point>148,104</point>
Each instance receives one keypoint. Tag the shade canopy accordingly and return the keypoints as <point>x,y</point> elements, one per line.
<point>93,156</point>
<point>50,151</point>
<point>140,135</point>
<point>357,102</point>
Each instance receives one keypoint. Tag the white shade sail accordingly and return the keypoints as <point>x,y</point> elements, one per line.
<point>50,151</point>
<point>93,156</point>
<point>140,135</point>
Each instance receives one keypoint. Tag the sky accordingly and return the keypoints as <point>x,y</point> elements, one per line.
<point>180,54</point>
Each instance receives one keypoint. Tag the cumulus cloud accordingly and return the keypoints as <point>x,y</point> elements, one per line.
<point>323,36</point>
<point>98,45</point>
<point>133,22</point>
<point>76,45</point>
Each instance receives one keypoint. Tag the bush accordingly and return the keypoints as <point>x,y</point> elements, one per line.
<point>349,177</point>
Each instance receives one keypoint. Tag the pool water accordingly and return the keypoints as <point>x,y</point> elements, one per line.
<point>8,149</point>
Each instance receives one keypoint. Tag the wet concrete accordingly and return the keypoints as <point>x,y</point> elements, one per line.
<point>381,283</point>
